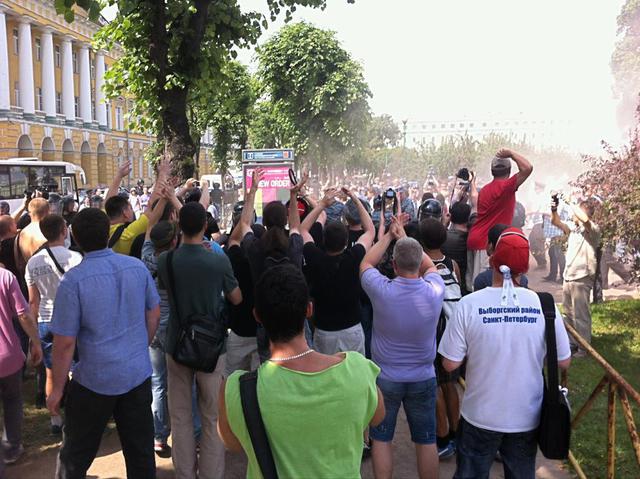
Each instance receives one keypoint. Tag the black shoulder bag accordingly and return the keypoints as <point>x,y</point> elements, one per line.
<point>255,425</point>
<point>201,338</point>
<point>117,234</point>
<point>53,258</point>
<point>554,431</point>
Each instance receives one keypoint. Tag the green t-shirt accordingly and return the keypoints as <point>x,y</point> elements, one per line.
<point>314,421</point>
<point>201,278</point>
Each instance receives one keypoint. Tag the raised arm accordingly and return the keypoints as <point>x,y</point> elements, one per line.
<point>17,214</point>
<point>556,220</point>
<point>524,167</point>
<point>312,217</point>
<point>376,252</point>
<point>205,197</point>
<point>369,229</point>
<point>248,210</point>
<point>123,171</point>
<point>294,216</point>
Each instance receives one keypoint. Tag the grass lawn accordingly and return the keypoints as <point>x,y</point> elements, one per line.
<point>616,336</point>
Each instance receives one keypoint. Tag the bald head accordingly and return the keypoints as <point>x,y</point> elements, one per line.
<point>8,227</point>
<point>38,209</point>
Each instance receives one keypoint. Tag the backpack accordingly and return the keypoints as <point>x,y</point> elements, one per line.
<point>452,293</point>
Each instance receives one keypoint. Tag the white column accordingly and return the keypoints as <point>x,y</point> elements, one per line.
<point>68,97</point>
<point>85,85</point>
<point>101,106</point>
<point>5,89</point>
<point>48,73</point>
<point>25,58</point>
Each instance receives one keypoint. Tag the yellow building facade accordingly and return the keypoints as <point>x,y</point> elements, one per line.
<point>51,101</point>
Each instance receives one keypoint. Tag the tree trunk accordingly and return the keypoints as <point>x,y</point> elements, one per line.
<point>176,131</point>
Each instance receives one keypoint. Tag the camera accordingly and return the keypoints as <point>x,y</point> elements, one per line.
<point>463,174</point>
<point>390,194</point>
<point>196,184</point>
<point>28,194</point>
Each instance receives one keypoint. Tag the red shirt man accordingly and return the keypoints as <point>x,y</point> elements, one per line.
<point>496,203</point>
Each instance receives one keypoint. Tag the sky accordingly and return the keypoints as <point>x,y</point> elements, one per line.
<point>451,59</point>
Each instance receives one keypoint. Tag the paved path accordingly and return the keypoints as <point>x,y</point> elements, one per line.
<point>110,464</point>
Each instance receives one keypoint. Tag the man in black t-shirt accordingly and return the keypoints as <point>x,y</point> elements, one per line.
<point>455,247</point>
<point>334,277</point>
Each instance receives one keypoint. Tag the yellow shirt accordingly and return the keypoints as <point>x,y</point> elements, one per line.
<point>136,228</point>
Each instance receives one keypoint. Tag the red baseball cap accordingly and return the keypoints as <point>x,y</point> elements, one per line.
<point>512,250</point>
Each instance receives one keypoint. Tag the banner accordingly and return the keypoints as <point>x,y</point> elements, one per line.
<point>274,185</point>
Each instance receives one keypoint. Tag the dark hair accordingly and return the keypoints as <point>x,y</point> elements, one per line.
<point>192,218</point>
<point>412,230</point>
<point>274,241</point>
<point>495,232</point>
<point>427,196</point>
<point>460,213</point>
<point>52,226</point>
<point>274,214</point>
<point>90,229</point>
<point>433,234</point>
<point>193,195</point>
<point>335,236</point>
<point>115,206</point>
<point>281,299</point>
<point>167,212</point>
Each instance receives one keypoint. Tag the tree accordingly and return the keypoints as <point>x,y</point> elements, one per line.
<point>168,48</point>
<point>315,98</point>
<point>227,109</point>
<point>625,61</point>
<point>383,132</point>
<point>613,181</point>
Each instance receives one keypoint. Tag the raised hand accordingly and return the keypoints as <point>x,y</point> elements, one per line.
<point>295,189</point>
<point>124,169</point>
<point>504,153</point>
<point>256,177</point>
<point>329,197</point>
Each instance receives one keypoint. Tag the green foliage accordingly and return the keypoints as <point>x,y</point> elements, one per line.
<point>168,48</point>
<point>226,107</point>
<point>314,95</point>
<point>383,132</point>
<point>614,179</point>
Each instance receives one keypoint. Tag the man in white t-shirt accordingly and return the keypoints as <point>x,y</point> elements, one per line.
<point>43,274</point>
<point>501,332</point>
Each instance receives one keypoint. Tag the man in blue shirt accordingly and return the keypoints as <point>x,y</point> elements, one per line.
<point>108,307</point>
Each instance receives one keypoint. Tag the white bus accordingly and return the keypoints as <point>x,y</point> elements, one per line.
<point>19,175</point>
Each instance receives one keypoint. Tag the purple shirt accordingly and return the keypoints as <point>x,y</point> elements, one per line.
<point>12,303</point>
<point>405,317</point>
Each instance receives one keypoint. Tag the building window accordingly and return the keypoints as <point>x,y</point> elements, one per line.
<point>461,125</point>
<point>433,126</point>
<point>39,98</point>
<point>74,57</point>
<point>15,41</point>
<point>118,118</point>
<point>453,125</point>
<point>470,125</point>
<point>76,106</point>
<point>58,102</point>
<point>92,70</point>
<point>443,126</point>
<point>56,55</point>
<point>38,49</point>
<point>16,93</point>
<point>93,104</point>
<point>108,108</point>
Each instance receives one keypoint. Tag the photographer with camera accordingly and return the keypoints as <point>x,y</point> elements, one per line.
<point>581,265</point>
<point>496,204</point>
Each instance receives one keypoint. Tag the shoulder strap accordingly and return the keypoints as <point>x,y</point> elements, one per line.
<point>172,285</point>
<point>53,258</point>
<point>117,234</point>
<point>255,425</point>
<point>549,310</point>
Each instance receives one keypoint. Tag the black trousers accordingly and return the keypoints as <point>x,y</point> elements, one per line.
<point>87,414</point>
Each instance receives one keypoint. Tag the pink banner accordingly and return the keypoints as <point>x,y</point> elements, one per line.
<point>274,185</point>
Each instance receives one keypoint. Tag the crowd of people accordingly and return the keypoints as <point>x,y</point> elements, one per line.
<point>349,301</point>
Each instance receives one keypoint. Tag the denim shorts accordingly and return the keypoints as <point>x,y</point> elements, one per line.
<point>46,342</point>
<point>419,402</point>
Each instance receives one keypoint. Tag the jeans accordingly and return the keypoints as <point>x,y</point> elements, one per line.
<point>159,404</point>
<point>477,449</point>
<point>419,401</point>
<point>87,414</point>
<point>11,394</point>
